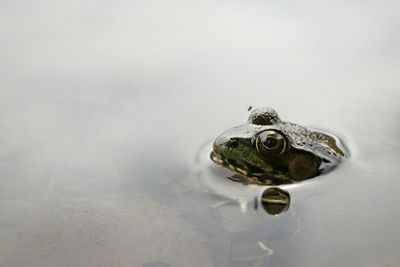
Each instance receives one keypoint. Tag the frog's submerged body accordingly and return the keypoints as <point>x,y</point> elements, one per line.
<point>267,150</point>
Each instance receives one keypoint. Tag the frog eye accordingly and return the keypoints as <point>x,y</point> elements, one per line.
<point>271,143</point>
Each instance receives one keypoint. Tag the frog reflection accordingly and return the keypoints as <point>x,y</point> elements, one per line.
<point>274,200</point>
<point>267,150</point>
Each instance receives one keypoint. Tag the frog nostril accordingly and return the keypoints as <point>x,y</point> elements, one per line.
<point>233,142</point>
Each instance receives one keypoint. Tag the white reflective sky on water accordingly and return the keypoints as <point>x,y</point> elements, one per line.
<point>103,107</point>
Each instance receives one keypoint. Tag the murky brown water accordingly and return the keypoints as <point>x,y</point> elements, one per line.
<point>106,110</point>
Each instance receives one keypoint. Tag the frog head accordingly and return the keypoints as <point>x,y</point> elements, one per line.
<point>265,146</point>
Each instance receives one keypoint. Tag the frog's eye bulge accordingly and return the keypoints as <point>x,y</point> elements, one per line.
<point>271,143</point>
<point>264,116</point>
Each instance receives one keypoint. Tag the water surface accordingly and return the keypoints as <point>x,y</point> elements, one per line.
<point>105,109</point>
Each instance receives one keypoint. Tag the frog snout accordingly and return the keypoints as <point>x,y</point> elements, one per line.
<point>224,141</point>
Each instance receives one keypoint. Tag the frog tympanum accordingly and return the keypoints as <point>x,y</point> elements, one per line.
<point>267,150</point>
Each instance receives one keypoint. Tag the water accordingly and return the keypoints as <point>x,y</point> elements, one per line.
<point>106,107</point>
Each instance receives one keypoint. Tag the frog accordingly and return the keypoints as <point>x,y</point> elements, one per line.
<point>267,150</point>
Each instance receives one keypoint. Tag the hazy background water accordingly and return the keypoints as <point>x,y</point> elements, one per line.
<point>105,106</point>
